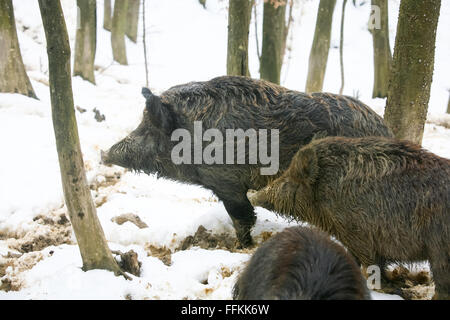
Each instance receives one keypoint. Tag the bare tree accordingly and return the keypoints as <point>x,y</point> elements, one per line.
<point>287,27</point>
<point>341,47</point>
<point>448,104</point>
<point>86,40</point>
<point>144,41</point>
<point>118,31</point>
<point>382,56</point>
<point>412,68</point>
<point>274,40</point>
<point>107,13</point>
<point>132,19</point>
<point>239,13</point>
<point>88,231</point>
<point>255,21</point>
<point>13,77</point>
<point>318,56</point>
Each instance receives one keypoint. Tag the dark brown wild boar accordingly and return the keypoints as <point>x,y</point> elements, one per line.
<point>386,200</point>
<point>300,263</point>
<point>243,106</point>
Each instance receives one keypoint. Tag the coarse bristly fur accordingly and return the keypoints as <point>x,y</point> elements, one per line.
<point>386,200</point>
<point>300,263</point>
<point>233,102</point>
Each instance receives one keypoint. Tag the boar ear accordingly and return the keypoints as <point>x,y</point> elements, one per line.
<point>159,114</point>
<point>304,165</point>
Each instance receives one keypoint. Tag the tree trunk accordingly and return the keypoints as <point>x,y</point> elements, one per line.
<point>86,41</point>
<point>412,68</point>
<point>321,45</point>
<point>132,19</point>
<point>273,42</point>
<point>144,42</point>
<point>88,231</point>
<point>119,21</point>
<point>107,20</point>
<point>341,47</point>
<point>239,13</point>
<point>382,56</point>
<point>448,106</point>
<point>13,78</point>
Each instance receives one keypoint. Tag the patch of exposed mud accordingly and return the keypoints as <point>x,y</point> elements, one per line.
<point>130,217</point>
<point>162,253</point>
<point>206,240</point>
<point>410,285</point>
<point>51,230</point>
<point>12,267</point>
<point>106,180</point>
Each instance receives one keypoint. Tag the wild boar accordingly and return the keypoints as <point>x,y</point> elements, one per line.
<point>385,200</point>
<point>300,263</point>
<point>243,110</point>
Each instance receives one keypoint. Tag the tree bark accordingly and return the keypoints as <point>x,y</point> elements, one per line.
<point>13,78</point>
<point>321,45</point>
<point>132,19</point>
<point>382,56</point>
<point>86,41</point>
<point>88,231</point>
<point>107,20</point>
<point>118,31</point>
<point>412,69</point>
<point>239,13</point>
<point>448,105</point>
<point>144,42</point>
<point>273,42</point>
<point>341,47</point>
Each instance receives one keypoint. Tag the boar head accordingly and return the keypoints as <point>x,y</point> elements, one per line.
<point>148,147</point>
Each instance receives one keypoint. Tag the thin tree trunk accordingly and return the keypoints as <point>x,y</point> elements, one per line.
<point>88,231</point>
<point>321,45</point>
<point>107,20</point>
<point>119,21</point>
<point>273,41</point>
<point>341,47</point>
<point>412,68</point>
<point>144,40</point>
<point>239,14</point>
<point>132,19</point>
<point>255,13</point>
<point>86,41</point>
<point>13,78</point>
<point>286,31</point>
<point>381,52</point>
<point>448,105</point>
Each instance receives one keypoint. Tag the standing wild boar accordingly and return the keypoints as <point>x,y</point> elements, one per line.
<point>386,200</point>
<point>237,104</point>
<point>301,264</point>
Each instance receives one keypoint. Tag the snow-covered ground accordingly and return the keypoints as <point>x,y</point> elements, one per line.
<point>186,43</point>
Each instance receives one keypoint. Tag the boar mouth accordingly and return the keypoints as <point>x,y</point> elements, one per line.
<point>104,158</point>
<point>257,198</point>
<point>121,154</point>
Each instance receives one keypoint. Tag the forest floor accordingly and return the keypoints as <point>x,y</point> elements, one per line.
<point>182,234</point>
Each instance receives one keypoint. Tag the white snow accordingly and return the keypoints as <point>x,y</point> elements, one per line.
<point>186,43</point>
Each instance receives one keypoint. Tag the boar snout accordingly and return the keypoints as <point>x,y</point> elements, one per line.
<point>257,198</point>
<point>104,158</point>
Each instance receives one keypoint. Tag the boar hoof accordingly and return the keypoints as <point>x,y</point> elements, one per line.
<point>243,233</point>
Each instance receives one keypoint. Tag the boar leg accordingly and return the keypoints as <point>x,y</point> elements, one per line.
<point>243,217</point>
<point>441,276</point>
